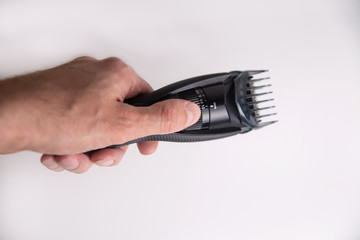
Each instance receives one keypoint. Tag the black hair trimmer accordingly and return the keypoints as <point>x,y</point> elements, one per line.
<point>229,103</point>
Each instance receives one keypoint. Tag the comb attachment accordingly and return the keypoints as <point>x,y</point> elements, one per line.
<point>259,99</point>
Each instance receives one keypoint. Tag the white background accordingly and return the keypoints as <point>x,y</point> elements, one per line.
<point>296,180</point>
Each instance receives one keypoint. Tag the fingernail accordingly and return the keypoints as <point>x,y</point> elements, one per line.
<point>105,162</point>
<point>69,164</point>
<point>50,163</point>
<point>192,111</point>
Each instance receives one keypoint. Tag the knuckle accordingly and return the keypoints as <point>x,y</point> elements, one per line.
<point>119,68</point>
<point>128,72</point>
<point>83,58</point>
<point>114,63</point>
<point>166,120</point>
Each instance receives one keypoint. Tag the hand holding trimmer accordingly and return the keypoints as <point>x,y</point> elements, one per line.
<point>229,104</point>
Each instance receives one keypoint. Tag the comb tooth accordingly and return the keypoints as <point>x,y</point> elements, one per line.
<point>267,123</point>
<point>259,94</point>
<point>259,87</point>
<point>266,115</point>
<point>258,79</point>
<point>261,101</point>
<point>264,108</point>
<point>256,72</point>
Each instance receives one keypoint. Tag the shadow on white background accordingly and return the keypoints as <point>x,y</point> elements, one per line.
<point>298,179</point>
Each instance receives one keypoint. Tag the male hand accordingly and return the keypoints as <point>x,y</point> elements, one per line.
<point>77,107</point>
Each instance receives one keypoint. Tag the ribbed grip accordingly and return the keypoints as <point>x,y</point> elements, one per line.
<point>180,137</point>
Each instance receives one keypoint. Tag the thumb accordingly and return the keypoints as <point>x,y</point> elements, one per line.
<point>167,116</point>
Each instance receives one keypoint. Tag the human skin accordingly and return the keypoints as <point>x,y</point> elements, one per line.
<point>68,110</point>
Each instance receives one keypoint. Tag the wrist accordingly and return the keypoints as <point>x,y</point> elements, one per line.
<point>12,135</point>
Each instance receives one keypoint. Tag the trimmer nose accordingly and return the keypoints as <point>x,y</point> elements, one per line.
<point>254,99</point>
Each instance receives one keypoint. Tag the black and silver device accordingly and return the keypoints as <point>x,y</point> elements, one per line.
<point>230,103</point>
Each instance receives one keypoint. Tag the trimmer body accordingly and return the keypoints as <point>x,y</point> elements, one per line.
<point>229,104</point>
